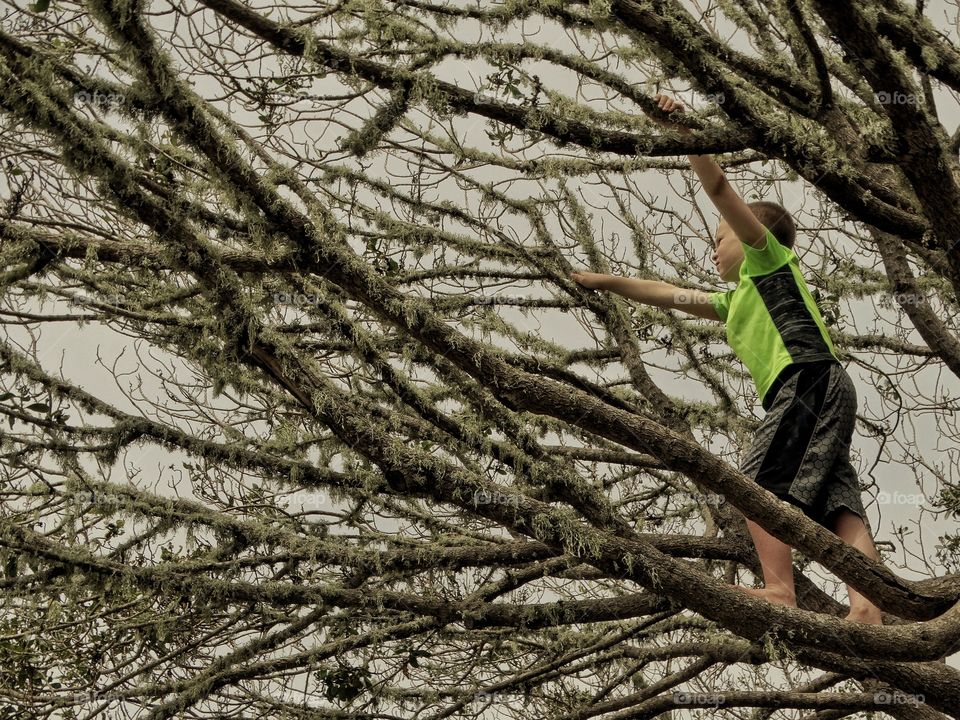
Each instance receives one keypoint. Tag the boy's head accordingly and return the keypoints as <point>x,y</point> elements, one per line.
<point>728,252</point>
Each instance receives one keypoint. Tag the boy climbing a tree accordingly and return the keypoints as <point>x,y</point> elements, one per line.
<point>801,452</point>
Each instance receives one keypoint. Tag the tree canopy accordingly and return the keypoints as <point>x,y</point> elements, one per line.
<point>408,466</point>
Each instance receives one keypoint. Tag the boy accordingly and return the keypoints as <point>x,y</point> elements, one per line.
<point>801,450</point>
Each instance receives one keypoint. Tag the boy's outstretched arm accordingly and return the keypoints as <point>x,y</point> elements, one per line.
<point>721,193</point>
<point>650,292</point>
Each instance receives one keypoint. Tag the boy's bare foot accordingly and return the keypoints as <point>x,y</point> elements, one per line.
<point>866,615</point>
<point>777,597</point>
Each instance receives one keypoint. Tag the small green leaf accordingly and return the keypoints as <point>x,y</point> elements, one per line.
<point>40,6</point>
<point>39,407</point>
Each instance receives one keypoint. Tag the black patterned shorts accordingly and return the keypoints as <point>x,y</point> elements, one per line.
<point>801,452</point>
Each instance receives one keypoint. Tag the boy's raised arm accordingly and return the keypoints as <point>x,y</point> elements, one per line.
<point>721,193</point>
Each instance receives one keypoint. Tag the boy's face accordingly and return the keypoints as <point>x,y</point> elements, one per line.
<point>727,253</point>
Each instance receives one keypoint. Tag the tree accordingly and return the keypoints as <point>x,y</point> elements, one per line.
<point>389,491</point>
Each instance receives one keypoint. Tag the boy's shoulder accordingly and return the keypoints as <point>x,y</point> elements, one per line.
<point>772,256</point>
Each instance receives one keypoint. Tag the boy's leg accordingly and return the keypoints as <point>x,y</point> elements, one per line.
<point>776,462</point>
<point>852,530</point>
<point>776,559</point>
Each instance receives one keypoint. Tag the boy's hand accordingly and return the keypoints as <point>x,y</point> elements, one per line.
<point>669,105</point>
<point>591,280</point>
